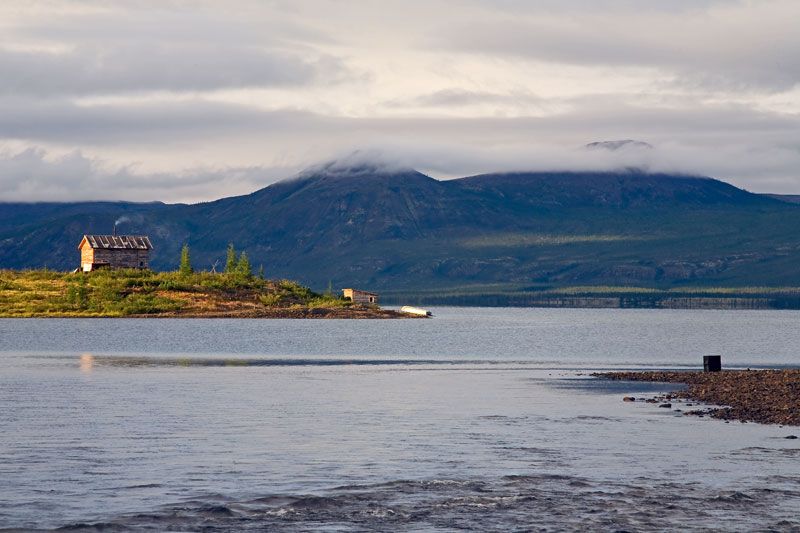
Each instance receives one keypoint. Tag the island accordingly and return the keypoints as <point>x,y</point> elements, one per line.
<point>764,396</point>
<point>144,293</point>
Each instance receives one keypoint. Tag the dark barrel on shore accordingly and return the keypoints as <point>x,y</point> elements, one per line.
<point>712,363</point>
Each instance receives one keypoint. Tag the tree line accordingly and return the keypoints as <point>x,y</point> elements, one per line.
<point>237,266</point>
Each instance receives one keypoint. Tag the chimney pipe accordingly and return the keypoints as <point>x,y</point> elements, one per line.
<point>115,229</point>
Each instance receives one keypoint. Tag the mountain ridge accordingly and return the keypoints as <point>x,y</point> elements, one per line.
<point>399,228</point>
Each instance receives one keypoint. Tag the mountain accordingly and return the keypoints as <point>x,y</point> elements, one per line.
<point>390,228</point>
<point>613,146</point>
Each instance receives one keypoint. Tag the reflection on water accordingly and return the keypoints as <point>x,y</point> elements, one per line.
<point>86,363</point>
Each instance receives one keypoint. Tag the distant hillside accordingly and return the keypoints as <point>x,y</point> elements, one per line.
<point>791,198</point>
<point>398,229</point>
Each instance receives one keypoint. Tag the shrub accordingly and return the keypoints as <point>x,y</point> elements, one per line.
<point>270,299</point>
<point>172,285</point>
<point>328,301</point>
<point>146,304</point>
<point>78,294</point>
<point>10,286</point>
<point>295,289</point>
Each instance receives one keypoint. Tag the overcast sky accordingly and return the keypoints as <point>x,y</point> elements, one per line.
<point>188,101</point>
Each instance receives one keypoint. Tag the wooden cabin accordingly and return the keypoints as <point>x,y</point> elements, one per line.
<point>114,251</point>
<point>360,297</point>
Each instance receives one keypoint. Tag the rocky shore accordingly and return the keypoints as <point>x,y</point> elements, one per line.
<point>764,396</point>
<point>351,312</point>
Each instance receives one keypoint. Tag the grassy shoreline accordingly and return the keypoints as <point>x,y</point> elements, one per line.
<point>144,293</point>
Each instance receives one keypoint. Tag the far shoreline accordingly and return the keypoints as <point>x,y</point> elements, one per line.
<point>603,297</point>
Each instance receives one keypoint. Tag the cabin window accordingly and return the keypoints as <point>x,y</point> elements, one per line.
<point>141,263</point>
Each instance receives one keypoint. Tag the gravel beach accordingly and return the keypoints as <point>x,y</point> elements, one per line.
<point>764,396</point>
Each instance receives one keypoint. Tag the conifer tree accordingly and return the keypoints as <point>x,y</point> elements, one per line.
<point>243,268</point>
<point>230,262</point>
<point>186,262</point>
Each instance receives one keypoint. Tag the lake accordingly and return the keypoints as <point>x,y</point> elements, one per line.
<point>482,419</point>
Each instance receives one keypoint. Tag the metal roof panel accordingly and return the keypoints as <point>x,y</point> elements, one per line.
<point>119,242</point>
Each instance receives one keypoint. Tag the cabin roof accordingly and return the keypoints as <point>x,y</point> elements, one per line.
<point>117,242</point>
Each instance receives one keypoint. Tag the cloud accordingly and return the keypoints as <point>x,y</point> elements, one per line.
<point>186,102</point>
<point>155,122</point>
<point>758,170</point>
<point>732,45</point>
<point>33,174</point>
<point>190,120</point>
<point>455,97</point>
<point>147,66</point>
<point>169,46</point>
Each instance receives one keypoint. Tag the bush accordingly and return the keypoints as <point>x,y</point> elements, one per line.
<point>10,286</point>
<point>146,304</point>
<point>78,294</point>
<point>270,299</point>
<point>328,301</point>
<point>296,290</point>
<point>43,274</point>
<point>173,285</point>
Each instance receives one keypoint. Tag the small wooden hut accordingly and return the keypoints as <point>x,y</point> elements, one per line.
<point>114,251</point>
<point>360,297</point>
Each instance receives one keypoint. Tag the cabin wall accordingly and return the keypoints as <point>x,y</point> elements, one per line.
<point>87,255</point>
<point>117,258</point>
<point>360,297</point>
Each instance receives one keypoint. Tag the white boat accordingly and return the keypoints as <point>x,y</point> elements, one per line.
<point>415,310</point>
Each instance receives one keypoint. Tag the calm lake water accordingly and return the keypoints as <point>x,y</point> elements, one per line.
<point>482,419</point>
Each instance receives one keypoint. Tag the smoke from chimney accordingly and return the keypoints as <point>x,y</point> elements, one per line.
<point>120,220</point>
